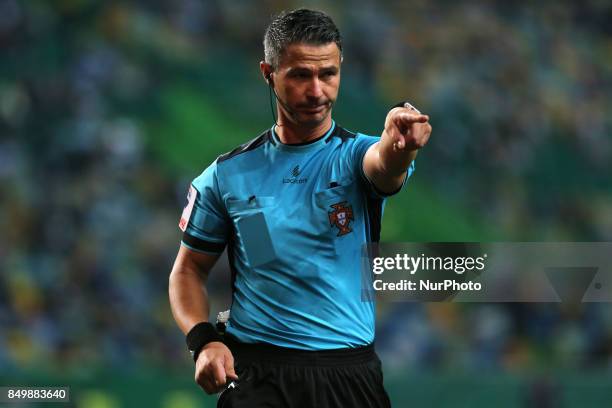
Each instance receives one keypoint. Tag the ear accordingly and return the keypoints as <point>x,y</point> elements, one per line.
<point>266,71</point>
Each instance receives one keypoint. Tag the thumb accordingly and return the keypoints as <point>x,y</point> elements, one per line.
<point>400,142</point>
<point>219,374</point>
<point>229,367</point>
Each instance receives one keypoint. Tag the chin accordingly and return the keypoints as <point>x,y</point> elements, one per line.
<point>314,119</point>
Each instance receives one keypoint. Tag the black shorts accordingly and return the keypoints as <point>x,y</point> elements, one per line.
<point>271,376</point>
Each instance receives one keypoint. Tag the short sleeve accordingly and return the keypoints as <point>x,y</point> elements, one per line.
<point>204,221</point>
<point>360,146</point>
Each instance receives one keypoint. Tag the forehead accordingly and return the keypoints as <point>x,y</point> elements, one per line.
<point>303,54</point>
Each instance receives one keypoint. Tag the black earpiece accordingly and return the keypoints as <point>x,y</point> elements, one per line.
<point>272,90</point>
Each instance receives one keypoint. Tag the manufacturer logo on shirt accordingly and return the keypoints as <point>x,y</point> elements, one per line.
<point>341,217</point>
<point>294,178</point>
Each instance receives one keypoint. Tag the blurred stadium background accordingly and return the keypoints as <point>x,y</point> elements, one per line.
<point>108,109</point>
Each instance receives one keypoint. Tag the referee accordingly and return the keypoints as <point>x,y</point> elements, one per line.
<point>294,207</point>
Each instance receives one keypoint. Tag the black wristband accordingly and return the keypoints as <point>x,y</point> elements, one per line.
<point>200,335</point>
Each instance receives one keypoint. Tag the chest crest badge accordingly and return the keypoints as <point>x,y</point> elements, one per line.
<point>341,217</point>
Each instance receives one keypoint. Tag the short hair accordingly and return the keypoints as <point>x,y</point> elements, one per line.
<point>301,25</point>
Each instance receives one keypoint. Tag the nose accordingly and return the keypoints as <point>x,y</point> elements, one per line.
<point>314,89</point>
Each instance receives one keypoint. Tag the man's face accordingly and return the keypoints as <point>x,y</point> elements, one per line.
<point>307,80</point>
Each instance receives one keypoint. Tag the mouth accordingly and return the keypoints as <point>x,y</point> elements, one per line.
<point>314,109</point>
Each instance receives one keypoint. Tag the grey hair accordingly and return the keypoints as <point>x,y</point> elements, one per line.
<point>301,25</point>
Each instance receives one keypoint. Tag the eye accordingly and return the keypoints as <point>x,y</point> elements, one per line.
<point>300,75</point>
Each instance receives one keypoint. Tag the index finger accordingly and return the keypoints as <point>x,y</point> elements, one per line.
<point>407,118</point>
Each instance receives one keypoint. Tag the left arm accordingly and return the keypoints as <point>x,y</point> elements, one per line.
<point>386,162</point>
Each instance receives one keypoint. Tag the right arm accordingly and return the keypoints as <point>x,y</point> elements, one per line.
<point>189,304</point>
<point>187,290</point>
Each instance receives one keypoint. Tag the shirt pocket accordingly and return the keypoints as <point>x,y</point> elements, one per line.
<point>250,219</point>
<point>336,209</point>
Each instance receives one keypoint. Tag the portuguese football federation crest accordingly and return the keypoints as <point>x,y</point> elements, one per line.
<point>341,217</point>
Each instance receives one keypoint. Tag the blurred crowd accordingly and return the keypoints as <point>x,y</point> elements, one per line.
<point>89,205</point>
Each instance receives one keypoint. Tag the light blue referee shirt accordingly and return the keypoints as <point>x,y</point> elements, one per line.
<point>294,219</point>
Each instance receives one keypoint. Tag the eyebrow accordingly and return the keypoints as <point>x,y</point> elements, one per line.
<point>332,68</point>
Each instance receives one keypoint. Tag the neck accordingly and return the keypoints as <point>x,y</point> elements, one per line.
<point>290,132</point>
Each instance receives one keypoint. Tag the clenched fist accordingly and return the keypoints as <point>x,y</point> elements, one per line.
<point>215,365</point>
